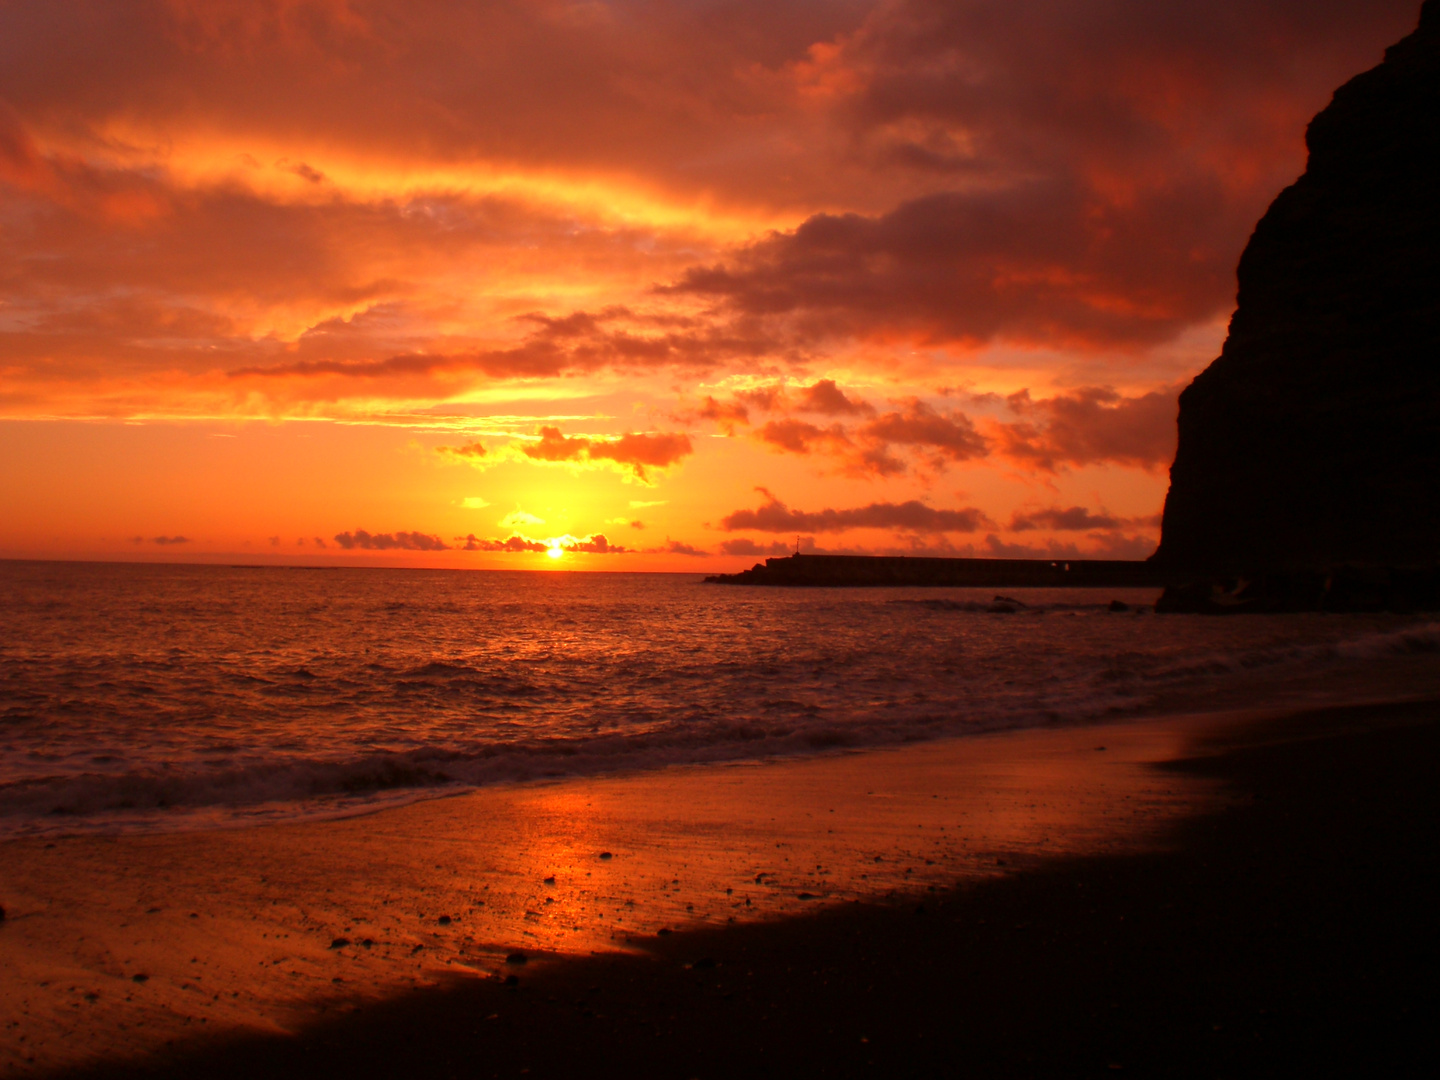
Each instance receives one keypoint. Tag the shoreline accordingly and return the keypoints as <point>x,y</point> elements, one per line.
<point>238,928</point>
<point>1276,686</point>
<point>1216,954</point>
<point>1043,802</point>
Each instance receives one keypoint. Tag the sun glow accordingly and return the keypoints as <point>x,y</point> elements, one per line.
<point>304,173</point>
<point>555,551</point>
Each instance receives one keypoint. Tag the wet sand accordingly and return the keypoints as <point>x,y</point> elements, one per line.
<point>1264,898</point>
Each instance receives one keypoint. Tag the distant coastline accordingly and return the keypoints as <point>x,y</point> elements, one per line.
<point>1335,588</point>
<point>874,571</point>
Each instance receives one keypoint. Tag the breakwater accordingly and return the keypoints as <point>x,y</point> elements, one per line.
<point>871,570</point>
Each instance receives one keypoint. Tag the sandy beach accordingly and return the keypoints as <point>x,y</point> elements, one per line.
<point>238,929</point>
<point>802,917</point>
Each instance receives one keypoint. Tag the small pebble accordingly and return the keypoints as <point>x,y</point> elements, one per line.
<point>340,943</point>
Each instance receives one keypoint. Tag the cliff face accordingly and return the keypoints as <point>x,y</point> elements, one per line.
<point>1314,439</point>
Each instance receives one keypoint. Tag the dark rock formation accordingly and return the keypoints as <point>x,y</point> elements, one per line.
<point>1312,445</point>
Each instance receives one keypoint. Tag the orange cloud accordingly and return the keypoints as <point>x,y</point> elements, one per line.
<point>470,451</point>
<point>938,439</point>
<point>400,541</point>
<point>786,220</point>
<point>913,516</point>
<point>741,545</point>
<point>1088,426</point>
<point>636,452</point>
<point>595,543</point>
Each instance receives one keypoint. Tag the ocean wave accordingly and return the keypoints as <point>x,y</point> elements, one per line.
<point>1001,604</point>
<point>108,801</point>
<point>292,699</point>
<point>1411,641</point>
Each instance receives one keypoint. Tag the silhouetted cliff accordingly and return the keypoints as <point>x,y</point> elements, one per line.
<point>1313,441</point>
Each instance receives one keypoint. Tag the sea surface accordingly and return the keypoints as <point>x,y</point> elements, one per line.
<point>144,697</point>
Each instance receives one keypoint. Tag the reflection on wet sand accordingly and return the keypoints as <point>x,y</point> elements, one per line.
<point>117,945</point>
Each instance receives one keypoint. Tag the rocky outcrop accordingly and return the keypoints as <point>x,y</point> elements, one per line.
<point>1312,445</point>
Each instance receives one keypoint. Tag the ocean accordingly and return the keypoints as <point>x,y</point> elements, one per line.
<point>160,697</point>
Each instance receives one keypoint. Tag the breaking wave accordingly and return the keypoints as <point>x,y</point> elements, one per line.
<point>175,697</point>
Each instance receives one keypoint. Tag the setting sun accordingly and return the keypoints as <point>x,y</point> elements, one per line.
<point>908,387</point>
<point>396,310</point>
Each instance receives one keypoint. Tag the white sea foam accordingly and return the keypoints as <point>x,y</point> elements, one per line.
<point>173,697</point>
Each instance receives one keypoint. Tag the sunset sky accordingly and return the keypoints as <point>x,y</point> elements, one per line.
<point>651,285</point>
